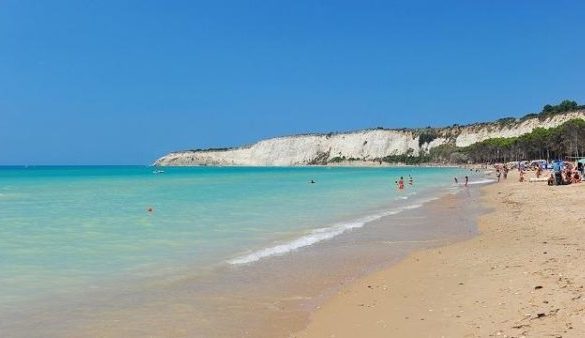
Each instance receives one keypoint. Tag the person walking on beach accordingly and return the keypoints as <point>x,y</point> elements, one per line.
<point>466,180</point>
<point>557,169</point>
<point>505,172</point>
<point>498,174</point>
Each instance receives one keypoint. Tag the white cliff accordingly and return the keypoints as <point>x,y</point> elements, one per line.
<point>473,134</point>
<point>364,145</point>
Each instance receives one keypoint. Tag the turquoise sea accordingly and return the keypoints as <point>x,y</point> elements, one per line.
<point>65,229</point>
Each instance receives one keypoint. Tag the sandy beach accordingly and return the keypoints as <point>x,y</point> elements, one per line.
<point>522,276</point>
<point>424,272</point>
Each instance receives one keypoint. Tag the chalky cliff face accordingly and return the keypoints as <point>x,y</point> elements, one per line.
<point>363,146</point>
<point>473,134</point>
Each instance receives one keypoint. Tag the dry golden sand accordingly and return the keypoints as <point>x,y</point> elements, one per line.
<point>524,275</point>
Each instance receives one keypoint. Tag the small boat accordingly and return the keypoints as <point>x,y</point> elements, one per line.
<point>158,171</point>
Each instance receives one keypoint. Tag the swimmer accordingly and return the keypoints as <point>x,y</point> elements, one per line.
<point>456,181</point>
<point>150,209</point>
<point>410,180</point>
<point>312,182</point>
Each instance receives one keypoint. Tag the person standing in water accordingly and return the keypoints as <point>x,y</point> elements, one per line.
<point>456,181</point>
<point>410,180</point>
<point>401,183</point>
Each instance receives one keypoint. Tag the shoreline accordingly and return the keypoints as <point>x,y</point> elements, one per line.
<point>344,164</point>
<point>258,300</point>
<point>519,276</point>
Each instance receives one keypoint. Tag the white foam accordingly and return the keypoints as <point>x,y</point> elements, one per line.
<point>320,234</point>
<point>414,206</point>
<point>482,181</point>
<point>313,237</point>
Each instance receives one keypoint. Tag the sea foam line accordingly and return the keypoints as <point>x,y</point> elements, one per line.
<point>481,181</point>
<point>320,234</point>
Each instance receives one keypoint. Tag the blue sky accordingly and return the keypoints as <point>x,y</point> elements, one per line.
<point>123,82</point>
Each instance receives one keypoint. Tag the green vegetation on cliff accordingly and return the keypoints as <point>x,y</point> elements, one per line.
<point>407,159</point>
<point>565,140</point>
<point>551,110</point>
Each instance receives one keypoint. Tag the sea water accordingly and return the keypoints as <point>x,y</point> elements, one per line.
<point>65,230</point>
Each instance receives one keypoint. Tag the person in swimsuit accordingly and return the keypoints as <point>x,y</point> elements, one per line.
<point>576,177</point>
<point>401,183</point>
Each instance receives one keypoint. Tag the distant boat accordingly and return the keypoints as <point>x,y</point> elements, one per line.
<point>158,171</point>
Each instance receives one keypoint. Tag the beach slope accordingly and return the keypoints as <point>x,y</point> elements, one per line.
<point>522,276</point>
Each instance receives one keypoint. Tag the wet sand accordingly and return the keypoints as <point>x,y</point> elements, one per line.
<point>272,298</point>
<point>522,276</point>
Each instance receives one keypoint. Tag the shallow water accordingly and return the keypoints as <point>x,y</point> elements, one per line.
<point>78,232</point>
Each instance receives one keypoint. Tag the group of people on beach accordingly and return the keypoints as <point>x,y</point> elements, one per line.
<point>504,170</point>
<point>561,172</point>
<point>466,180</point>
<point>564,173</point>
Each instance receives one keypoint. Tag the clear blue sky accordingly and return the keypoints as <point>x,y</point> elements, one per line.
<point>123,82</point>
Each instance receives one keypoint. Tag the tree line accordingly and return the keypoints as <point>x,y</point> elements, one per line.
<point>566,140</point>
<point>551,110</point>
